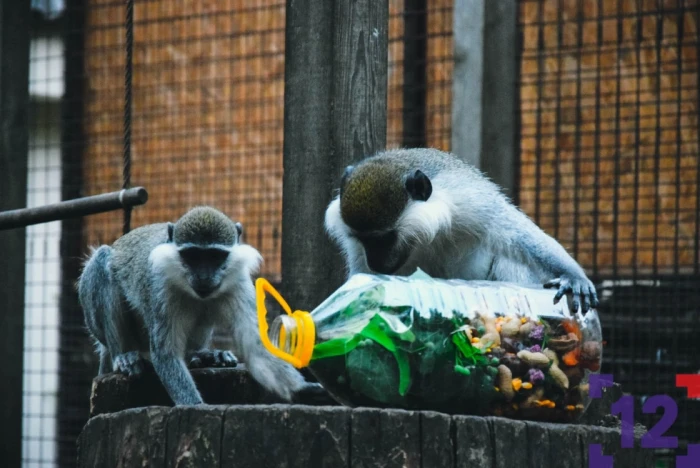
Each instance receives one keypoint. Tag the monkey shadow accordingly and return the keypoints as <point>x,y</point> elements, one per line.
<point>218,386</point>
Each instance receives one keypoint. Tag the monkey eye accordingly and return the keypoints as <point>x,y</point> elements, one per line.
<point>196,257</point>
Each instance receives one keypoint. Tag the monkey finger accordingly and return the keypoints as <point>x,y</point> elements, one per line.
<point>552,283</point>
<point>594,296</point>
<point>560,293</point>
<point>576,294</point>
<point>228,359</point>
<point>586,303</point>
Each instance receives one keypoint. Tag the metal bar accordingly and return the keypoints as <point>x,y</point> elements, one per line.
<point>414,73</point>
<point>15,28</point>
<point>73,208</point>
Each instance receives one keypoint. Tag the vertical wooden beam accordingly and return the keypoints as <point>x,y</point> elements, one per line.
<point>15,25</point>
<point>484,121</point>
<point>335,114</point>
<point>415,78</point>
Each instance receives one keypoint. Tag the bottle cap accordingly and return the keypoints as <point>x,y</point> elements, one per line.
<point>301,335</point>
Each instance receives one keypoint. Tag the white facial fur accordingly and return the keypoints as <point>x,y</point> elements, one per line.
<point>243,261</point>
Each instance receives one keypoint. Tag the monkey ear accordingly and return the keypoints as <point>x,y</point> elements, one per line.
<point>346,175</point>
<point>419,186</point>
<point>171,228</point>
<point>239,229</point>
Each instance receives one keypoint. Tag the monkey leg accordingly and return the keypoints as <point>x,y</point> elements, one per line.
<point>106,317</point>
<point>105,361</point>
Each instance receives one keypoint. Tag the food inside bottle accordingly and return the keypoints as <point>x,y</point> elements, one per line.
<point>480,348</point>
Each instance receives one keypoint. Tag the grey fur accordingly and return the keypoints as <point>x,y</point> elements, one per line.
<point>140,303</point>
<point>467,228</point>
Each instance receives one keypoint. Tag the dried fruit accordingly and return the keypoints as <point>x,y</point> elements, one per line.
<point>564,344</point>
<point>535,375</point>
<point>571,358</point>
<point>517,383</point>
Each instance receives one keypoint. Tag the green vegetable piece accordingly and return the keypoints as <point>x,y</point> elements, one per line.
<point>462,370</point>
<point>472,354</point>
<point>492,370</point>
<point>380,330</point>
<point>495,362</point>
<point>336,347</point>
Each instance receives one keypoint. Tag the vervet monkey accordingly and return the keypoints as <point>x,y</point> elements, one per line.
<point>406,208</point>
<point>158,293</point>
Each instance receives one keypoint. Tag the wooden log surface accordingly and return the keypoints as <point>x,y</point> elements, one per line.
<point>218,386</point>
<point>281,435</point>
<point>135,424</point>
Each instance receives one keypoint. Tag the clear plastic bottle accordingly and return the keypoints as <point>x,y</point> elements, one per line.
<point>459,347</point>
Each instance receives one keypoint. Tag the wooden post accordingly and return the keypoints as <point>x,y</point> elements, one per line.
<point>335,114</point>
<point>14,148</point>
<point>484,87</point>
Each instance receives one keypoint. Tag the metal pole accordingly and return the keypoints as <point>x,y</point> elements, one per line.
<point>73,208</point>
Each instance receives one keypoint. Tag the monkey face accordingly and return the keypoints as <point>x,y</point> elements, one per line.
<point>205,268</point>
<point>383,252</point>
<point>374,199</point>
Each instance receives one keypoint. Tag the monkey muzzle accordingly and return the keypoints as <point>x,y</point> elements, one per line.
<point>384,254</point>
<point>205,290</point>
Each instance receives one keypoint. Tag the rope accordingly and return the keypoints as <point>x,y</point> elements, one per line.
<point>126,175</point>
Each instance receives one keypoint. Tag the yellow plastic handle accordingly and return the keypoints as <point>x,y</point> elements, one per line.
<point>302,338</point>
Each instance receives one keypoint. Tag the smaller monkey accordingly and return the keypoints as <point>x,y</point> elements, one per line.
<point>160,290</point>
<point>402,209</point>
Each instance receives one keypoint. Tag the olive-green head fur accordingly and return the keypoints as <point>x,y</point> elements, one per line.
<point>204,225</point>
<point>374,194</point>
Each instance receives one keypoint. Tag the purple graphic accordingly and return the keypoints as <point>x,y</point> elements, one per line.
<point>654,438</point>
<point>624,407</point>
<point>596,383</point>
<point>596,458</point>
<point>691,459</point>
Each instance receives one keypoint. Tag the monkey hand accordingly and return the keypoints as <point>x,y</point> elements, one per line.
<point>212,358</point>
<point>313,394</point>
<point>580,288</point>
<point>130,363</point>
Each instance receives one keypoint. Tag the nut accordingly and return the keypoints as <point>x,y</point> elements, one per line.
<point>510,328</point>
<point>526,329</point>
<point>534,359</point>
<point>559,377</point>
<point>505,382</point>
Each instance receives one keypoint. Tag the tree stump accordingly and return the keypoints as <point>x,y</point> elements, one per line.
<point>133,423</point>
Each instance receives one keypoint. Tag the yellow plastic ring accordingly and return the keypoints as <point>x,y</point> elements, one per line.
<point>302,338</point>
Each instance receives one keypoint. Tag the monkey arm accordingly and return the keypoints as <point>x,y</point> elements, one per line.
<point>550,256</point>
<point>167,353</point>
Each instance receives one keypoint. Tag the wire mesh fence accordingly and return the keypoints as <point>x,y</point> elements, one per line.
<point>609,166</point>
<point>608,161</point>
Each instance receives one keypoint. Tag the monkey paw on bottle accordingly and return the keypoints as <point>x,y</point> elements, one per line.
<point>454,346</point>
